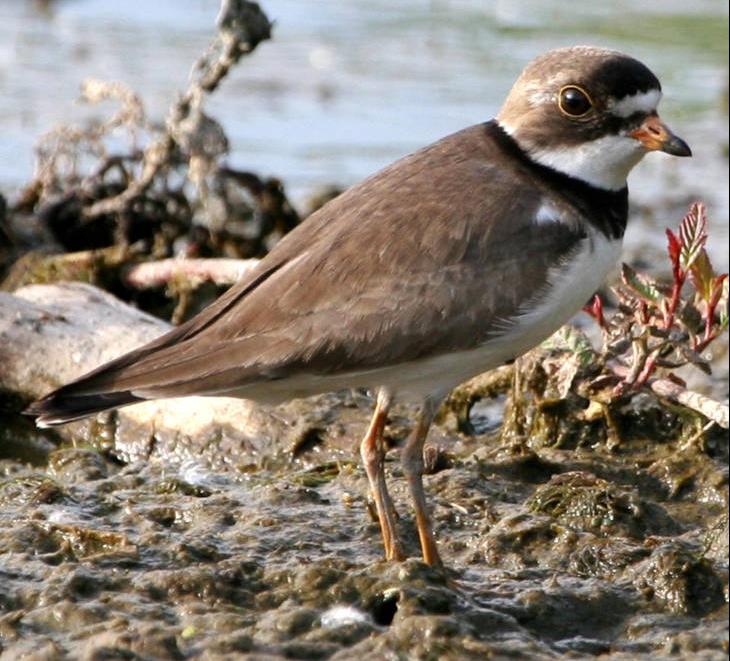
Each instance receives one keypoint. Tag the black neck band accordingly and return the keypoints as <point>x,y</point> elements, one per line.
<point>604,209</point>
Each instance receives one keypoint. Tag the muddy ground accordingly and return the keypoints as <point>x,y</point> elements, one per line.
<point>564,535</point>
<point>554,546</point>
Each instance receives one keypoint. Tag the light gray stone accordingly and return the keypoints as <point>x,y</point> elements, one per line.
<point>52,334</point>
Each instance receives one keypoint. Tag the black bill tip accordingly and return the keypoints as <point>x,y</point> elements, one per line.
<point>675,146</point>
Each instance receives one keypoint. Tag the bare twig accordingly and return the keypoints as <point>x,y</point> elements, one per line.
<point>219,271</point>
<point>242,25</point>
<point>710,408</point>
<point>679,394</point>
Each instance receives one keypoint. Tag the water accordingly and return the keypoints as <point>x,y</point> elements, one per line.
<point>346,87</point>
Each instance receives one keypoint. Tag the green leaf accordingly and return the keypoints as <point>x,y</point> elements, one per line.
<point>641,284</point>
<point>569,338</point>
<point>703,275</point>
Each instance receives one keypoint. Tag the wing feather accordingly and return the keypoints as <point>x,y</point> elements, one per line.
<point>430,255</point>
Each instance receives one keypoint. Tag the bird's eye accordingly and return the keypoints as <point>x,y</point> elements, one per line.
<point>574,101</point>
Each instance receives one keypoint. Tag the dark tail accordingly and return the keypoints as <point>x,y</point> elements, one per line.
<point>112,384</point>
<point>63,405</point>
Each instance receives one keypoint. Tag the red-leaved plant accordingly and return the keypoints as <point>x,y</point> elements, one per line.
<point>665,326</point>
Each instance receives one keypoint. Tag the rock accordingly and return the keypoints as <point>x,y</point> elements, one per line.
<point>52,334</point>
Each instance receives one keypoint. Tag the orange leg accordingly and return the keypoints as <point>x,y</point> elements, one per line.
<point>372,451</point>
<point>412,461</point>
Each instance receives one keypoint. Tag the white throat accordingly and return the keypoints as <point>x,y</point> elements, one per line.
<point>604,163</point>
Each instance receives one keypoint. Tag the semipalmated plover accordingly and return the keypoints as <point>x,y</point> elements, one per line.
<point>451,261</point>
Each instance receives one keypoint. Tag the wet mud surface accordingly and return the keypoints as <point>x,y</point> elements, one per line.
<point>574,551</point>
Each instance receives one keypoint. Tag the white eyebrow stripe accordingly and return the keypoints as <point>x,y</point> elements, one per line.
<point>639,102</point>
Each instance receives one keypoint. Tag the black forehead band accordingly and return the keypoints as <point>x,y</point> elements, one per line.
<point>619,77</point>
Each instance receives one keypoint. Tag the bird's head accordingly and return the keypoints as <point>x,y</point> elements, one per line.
<point>590,113</point>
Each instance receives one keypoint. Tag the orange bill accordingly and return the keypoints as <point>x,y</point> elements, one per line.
<point>655,135</point>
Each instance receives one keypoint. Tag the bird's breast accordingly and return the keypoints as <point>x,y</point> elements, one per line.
<point>569,286</point>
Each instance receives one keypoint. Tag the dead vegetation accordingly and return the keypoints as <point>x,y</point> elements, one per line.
<point>123,191</point>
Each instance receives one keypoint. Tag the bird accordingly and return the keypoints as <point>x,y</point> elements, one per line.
<point>454,260</point>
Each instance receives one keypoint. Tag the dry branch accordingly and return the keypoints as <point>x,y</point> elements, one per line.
<point>220,271</point>
<point>241,27</point>
<point>711,409</point>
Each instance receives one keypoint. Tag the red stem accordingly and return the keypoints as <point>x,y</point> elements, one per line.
<point>679,279</point>
<point>646,371</point>
<point>702,345</point>
<point>710,333</point>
